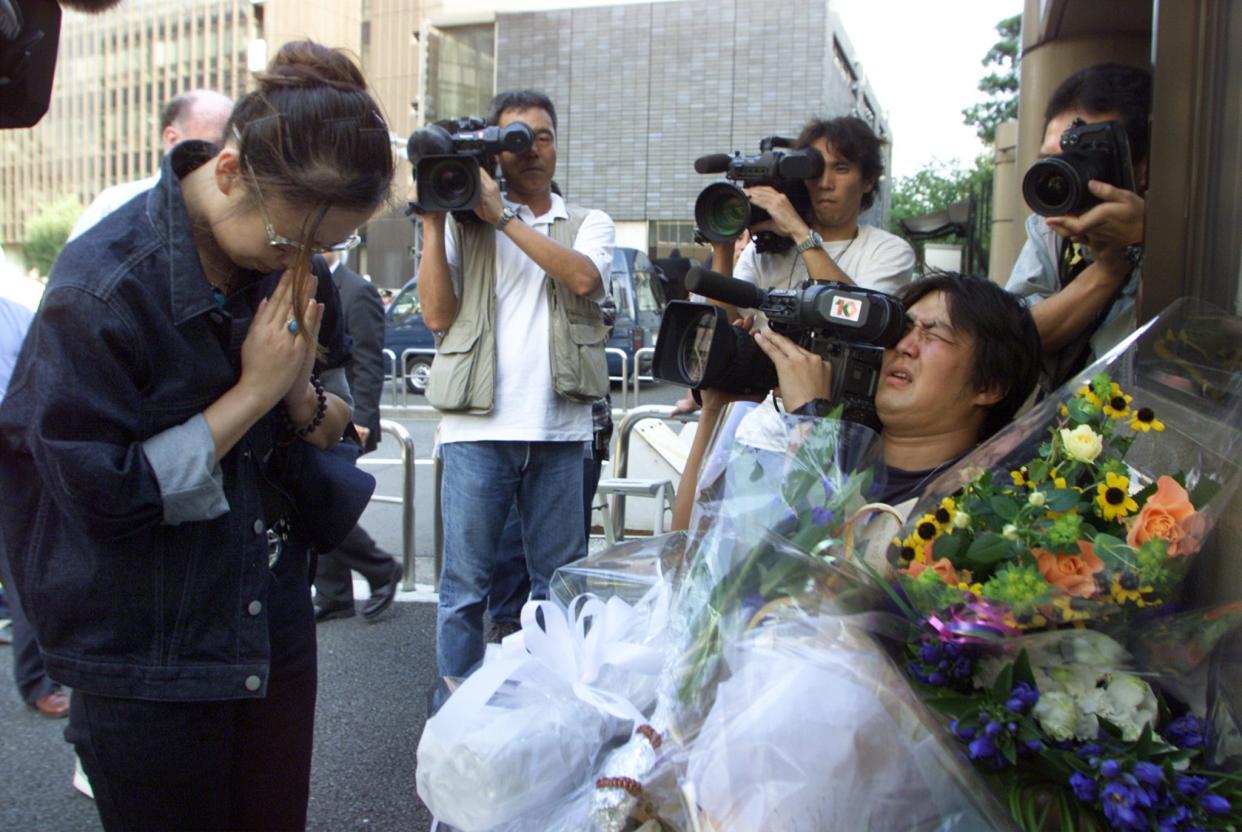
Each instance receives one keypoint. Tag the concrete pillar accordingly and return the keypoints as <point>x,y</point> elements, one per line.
<point>1007,216</point>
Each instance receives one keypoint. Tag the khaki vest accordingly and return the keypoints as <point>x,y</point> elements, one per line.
<point>463,375</point>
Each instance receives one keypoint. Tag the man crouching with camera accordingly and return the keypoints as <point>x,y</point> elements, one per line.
<point>520,357</point>
<point>967,362</point>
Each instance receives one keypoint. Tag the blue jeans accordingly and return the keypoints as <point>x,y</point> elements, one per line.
<point>481,481</point>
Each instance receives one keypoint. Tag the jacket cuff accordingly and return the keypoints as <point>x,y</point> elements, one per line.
<point>191,481</point>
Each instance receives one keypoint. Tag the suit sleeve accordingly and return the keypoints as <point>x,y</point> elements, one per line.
<point>366,328</point>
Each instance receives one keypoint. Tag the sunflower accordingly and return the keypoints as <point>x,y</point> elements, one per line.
<point>1113,497</point>
<point>928,528</point>
<point>1144,419</point>
<point>1085,392</point>
<point>1019,477</point>
<point>1118,404</point>
<point>1125,589</point>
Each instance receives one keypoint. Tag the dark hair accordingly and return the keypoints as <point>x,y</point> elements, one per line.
<point>312,135</point>
<point>519,100</point>
<point>1109,88</point>
<point>852,139</point>
<point>1007,350</point>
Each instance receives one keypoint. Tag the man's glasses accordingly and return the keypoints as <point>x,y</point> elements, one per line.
<point>282,243</point>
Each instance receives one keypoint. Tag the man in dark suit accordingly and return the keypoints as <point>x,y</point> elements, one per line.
<point>364,322</point>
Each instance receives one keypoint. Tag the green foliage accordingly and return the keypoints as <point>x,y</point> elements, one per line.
<point>935,188</point>
<point>1000,84</point>
<point>47,231</point>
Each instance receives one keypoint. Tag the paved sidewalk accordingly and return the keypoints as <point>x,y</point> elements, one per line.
<point>373,684</point>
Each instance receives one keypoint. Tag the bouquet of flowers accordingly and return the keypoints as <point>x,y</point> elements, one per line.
<point>1061,637</point>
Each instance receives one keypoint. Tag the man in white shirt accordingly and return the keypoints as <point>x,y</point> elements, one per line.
<point>197,114</point>
<point>496,294</point>
<point>830,244</point>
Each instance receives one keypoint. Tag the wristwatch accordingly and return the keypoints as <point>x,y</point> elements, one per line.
<point>505,215</point>
<point>813,240</point>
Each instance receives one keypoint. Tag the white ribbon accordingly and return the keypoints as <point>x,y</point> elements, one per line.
<point>574,647</point>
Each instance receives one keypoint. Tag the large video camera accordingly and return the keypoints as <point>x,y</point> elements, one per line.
<point>1057,185</point>
<point>723,210</point>
<point>847,326</point>
<point>447,156</point>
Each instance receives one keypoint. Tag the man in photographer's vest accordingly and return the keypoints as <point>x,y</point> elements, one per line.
<point>514,300</point>
<point>1080,274</point>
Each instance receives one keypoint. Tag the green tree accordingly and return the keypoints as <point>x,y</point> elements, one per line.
<point>939,185</point>
<point>1000,85</point>
<point>47,231</point>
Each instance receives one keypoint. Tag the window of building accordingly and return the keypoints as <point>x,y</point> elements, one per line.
<point>461,65</point>
<point>665,235</point>
<point>843,63</point>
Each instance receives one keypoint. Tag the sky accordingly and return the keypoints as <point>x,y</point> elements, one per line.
<point>923,60</point>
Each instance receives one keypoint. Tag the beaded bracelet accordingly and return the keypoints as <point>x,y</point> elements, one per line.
<point>321,410</point>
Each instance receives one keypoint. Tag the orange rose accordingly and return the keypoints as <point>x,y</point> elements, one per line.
<point>942,567</point>
<point>1167,515</point>
<point>1073,574</point>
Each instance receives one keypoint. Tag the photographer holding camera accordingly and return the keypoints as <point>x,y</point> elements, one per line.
<point>1079,272</point>
<point>967,361</point>
<point>514,299</point>
<point>830,244</point>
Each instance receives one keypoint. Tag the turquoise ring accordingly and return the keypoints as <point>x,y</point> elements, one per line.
<point>292,326</point>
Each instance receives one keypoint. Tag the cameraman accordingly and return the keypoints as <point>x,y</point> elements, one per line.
<point>1080,274</point>
<point>833,246</point>
<point>514,301</point>
<point>967,362</point>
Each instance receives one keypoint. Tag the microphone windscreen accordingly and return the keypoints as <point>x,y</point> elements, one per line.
<point>717,286</point>
<point>712,163</point>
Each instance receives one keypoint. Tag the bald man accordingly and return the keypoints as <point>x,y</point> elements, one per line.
<point>197,114</point>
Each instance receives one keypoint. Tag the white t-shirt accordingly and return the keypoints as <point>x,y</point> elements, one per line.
<point>108,201</point>
<point>875,259</point>
<point>526,409</point>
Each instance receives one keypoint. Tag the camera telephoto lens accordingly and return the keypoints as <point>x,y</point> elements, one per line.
<point>1054,187</point>
<point>722,212</point>
<point>695,348</point>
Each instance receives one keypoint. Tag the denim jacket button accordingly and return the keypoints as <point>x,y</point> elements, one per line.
<point>253,683</point>
<point>255,608</point>
<point>259,527</point>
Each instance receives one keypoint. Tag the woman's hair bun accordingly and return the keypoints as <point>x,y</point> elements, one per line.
<point>306,63</point>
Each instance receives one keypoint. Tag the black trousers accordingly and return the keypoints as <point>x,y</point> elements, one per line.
<point>334,585</point>
<point>32,680</point>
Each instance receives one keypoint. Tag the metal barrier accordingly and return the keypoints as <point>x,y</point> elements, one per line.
<point>621,459</point>
<point>624,378</point>
<point>639,355</point>
<point>396,372</point>
<point>406,500</point>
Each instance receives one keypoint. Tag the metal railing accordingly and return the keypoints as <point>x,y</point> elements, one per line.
<point>624,378</point>
<point>405,354</point>
<point>639,355</point>
<point>397,431</point>
<point>621,458</point>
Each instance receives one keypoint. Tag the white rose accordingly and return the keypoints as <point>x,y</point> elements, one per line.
<point>961,520</point>
<point>1057,714</point>
<point>1037,499</point>
<point>1010,532</point>
<point>1081,443</point>
<point>1093,648</point>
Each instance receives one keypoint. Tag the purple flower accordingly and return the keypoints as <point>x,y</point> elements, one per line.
<point>963,732</point>
<point>1191,785</point>
<point>1177,820</point>
<point>821,516</point>
<point>981,748</point>
<point>1022,698</point>
<point>1188,732</point>
<point>1084,787</point>
<point>929,652</point>
<point>1149,773</point>
<point>1214,804</point>
<point>992,729</point>
<point>1121,803</point>
<point>1110,769</point>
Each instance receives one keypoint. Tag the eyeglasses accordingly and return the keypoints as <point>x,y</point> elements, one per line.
<point>282,243</point>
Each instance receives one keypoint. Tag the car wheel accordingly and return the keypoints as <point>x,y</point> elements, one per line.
<point>417,371</point>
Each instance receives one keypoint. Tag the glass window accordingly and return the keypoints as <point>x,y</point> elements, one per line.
<point>406,304</point>
<point>645,291</point>
<point>621,296</point>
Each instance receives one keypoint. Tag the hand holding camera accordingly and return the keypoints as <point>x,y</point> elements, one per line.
<point>449,158</point>
<point>802,375</point>
<point>785,219</point>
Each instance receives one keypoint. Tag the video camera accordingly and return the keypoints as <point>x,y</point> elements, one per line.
<point>723,210</point>
<point>1057,185</point>
<point>847,326</point>
<point>447,156</point>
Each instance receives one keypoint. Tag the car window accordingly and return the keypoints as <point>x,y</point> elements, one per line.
<point>644,290</point>
<point>621,295</point>
<point>406,303</point>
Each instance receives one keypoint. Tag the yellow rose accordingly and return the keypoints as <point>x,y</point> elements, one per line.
<point>1081,443</point>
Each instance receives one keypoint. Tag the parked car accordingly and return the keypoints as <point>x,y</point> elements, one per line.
<point>404,329</point>
<point>635,287</point>
<point>637,290</point>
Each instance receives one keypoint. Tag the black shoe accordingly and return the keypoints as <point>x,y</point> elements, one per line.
<point>328,613</point>
<point>382,598</point>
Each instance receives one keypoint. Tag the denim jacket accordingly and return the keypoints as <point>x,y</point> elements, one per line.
<point>144,563</point>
